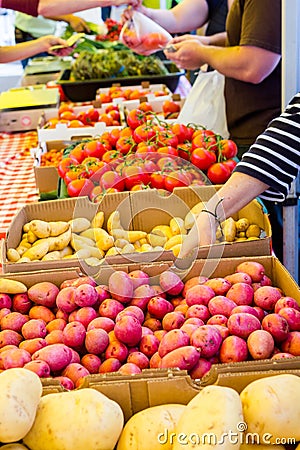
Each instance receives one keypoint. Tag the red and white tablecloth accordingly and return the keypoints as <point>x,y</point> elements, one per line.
<point>18,185</point>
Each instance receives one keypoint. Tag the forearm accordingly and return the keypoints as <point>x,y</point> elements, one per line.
<point>20,51</point>
<point>26,6</point>
<point>217,39</point>
<point>58,7</point>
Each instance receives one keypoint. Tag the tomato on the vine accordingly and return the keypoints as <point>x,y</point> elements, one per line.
<point>230,163</point>
<point>136,117</point>
<point>206,139</point>
<point>176,179</point>
<point>202,158</point>
<point>77,152</point>
<point>143,133</point>
<point>183,132</point>
<point>168,150</point>
<point>135,175</point>
<point>170,106</point>
<point>125,144</point>
<point>157,180</point>
<point>65,165</point>
<point>166,137</point>
<point>228,148</point>
<point>80,187</point>
<point>96,148</point>
<point>218,173</point>
<point>184,151</point>
<point>112,179</point>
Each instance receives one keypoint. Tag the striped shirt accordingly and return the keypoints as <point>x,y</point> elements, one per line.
<point>274,158</point>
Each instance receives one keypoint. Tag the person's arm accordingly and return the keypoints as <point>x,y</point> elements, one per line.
<point>27,49</point>
<point>77,23</point>
<point>26,6</point>
<point>47,8</point>
<point>214,39</point>
<point>186,16</point>
<point>244,63</point>
<point>236,193</point>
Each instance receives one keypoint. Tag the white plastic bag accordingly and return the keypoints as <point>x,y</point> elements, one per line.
<point>205,103</point>
<point>143,35</point>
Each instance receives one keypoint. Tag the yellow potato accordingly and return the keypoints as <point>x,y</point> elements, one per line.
<point>12,255</point>
<point>8,286</point>
<point>40,228</point>
<point>37,251</point>
<point>177,226</point>
<point>58,227</point>
<point>98,220</point>
<point>79,224</point>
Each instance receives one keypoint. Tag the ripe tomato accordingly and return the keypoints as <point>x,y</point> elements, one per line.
<point>202,158</point>
<point>135,175</point>
<point>115,115</point>
<point>77,152</point>
<point>206,139</point>
<point>167,163</point>
<point>139,187</point>
<point>218,173</point>
<point>168,150</point>
<point>106,118</point>
<point>95,149</point>
<point>157,180</point>
<point>230,163</point>
<point>105,97</point>
<point>176,179</point>
<point>183,132</point>
<point>146,107</point>
<point>113,136</point>
<point>136,117</point>
<point>75,173</point>
<point>184,151</point>
<point>65,107</point>
<point>80,187</point>
<point>112,179</point>
<point>68,115</point>
<point>169,106</point>
<point>143,133</point>
<point>125,144</point>
<point>154,41</point>
<point>92,115</point>
<point>112,157</point>
<point>126,131</point>
<point>228,148</point>
<point>65,165</point>
<point>144,150</point>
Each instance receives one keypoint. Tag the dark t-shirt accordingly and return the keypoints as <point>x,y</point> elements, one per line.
<point>250,107</point>
<point>218,10</point>
<point>26,6</point>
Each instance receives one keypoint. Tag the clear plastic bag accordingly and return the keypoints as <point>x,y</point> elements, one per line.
<point>205,103</point>
<point>143,35</point>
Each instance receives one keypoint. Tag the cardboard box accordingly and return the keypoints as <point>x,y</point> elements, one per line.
<point>138,211</point>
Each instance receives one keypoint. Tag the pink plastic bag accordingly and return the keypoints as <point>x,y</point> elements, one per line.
<point>143,35</point>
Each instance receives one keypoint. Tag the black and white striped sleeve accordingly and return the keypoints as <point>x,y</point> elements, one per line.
<point>274,158</point>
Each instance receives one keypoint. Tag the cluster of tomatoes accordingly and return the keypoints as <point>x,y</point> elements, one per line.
<point>113,31</point>
<point>72,119</point>
<point>146,154</point>
<point>145,44</point>
<point>124,93</point>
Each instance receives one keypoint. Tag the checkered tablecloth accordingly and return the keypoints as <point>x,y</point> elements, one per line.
<point>18,185</point>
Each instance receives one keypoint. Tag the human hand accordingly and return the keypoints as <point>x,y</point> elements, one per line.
<point>79,24</point>
<point>187,55</point>
<point>46,42</point>
<point>202,233</point>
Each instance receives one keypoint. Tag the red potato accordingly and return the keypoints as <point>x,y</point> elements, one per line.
<point>139,278</point>
<point>266,281</point>
<point>282,355</point>
<point>158,307</point>
<point>246,309</point>
<point>4,312</point>
<point>121,286</point>
<point>141,296</point>
<point>207,339</point>
<point>158,291</point>
<point>85,295</point>
<point>129,368</point>
<point>75,358</point>
<point>159,334</point>
<point>60,314</point>
<point>110,365</point>
<point>65,382</point>
<point>14,358</point>
<point>41,368</point>
<point>10,337</point>
<point>173,320</point>
<point>173,339</point>
<point>181,308</point>
<point>96,341</point>
<point>103,293</point>
<point>91,362</point>
<point>224,332</point>
<point>78,281</point>
<point>243,324</point>
<point>199,295</point>
<point>221,305</point>
<point>116,349</point>
<point>184,358</point>
<point>292,316</point>
<point>276,325</point>
<point>200,369</point>
<point>261,313</point>
<point>34,328</point>
<point>33,345</point>
<point>132,310</point>
<point>74,334</point>
<point>8,347</point>
<point>112,336</point>
<point>241,294</point>
<point>13,321</point>
<point>260,344</point>
<point>176,301</point>
<point>189,328</point>
<point>194,320</point>
<point>128,330</point>
<point>199,311</point>
<point>149,345</point>
<point>146,330</point>
<point>239,277</point>
<point>56,324</point>
<point>171,283</point>
<point>254,269</point>
<point>58,356</point>
<point>41,312</point>
<point>153,324</point>
<point>65,299</point>
<point>83,315</point>
<point>286,302</point>
<point>110,308</point>
<point>233,349</point>
<point>43,293</point>
<point>217,319</point>
<point>194,281</point>
<point>76,372</point>
<point>5,301</point>
<point>101,322</point>
<point>292,343</point>
<point>139,359</point>
<point>55,337</point>
<point>266,297</point>
<point>155,361</point>
<point>219,285</point>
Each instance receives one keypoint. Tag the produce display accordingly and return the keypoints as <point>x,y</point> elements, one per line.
<point>215,416</point>
<point>128,93</point>
<point>134,322</point>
